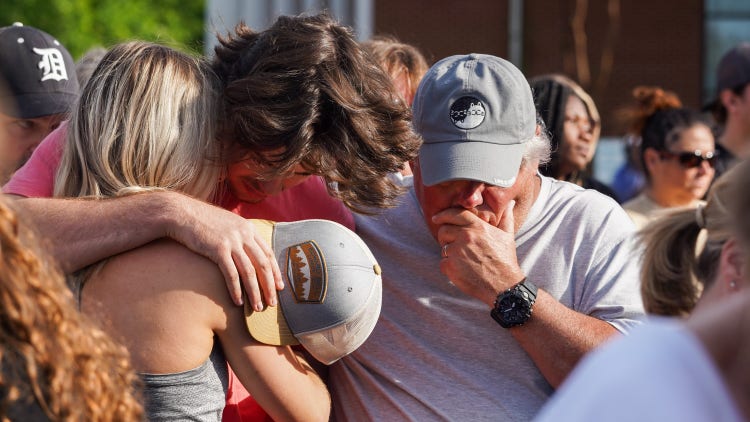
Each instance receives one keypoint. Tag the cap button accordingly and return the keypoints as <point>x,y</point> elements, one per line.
<point>377,269</point>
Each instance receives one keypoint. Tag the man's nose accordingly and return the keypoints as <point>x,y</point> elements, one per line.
<point>471,196</point>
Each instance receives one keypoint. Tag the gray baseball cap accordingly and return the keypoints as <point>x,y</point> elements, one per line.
<point>333,290</point>
<point>475,114</point>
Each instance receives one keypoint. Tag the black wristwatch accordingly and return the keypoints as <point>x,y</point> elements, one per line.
<point>513,307</point>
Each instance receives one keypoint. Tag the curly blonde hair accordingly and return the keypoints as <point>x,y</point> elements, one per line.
<point>53,359</point>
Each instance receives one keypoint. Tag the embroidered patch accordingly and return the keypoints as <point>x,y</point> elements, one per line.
<point>307,271</point>
<point>467,112</point>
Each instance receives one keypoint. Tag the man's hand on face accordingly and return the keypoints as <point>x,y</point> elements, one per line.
<point>234,244</point>
<point>479,258</point>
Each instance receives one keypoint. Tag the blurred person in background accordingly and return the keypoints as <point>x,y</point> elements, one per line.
<point>681,265</point>
<point>629,179</point>
<point>87,63</point>
<point>41,86</point>
<point>731,108</point>
<point>406,66</point>
<point>673,369</point>
<point>572,121</point>
<point>677,154</point>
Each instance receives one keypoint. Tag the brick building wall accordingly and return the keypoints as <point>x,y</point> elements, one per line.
<point>609,46</point>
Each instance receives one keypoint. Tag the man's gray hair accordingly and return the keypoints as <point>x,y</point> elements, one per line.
<point>538,149</point>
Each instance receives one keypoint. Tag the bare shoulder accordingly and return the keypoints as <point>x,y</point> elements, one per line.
<point>170,265</point>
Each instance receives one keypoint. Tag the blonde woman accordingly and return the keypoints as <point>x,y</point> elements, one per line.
<point>55,363</point>
<point>680,267</point>
<point>144,123</point>
<point>673,369</point>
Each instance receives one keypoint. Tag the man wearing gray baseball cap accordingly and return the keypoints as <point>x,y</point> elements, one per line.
<point>496,280</point>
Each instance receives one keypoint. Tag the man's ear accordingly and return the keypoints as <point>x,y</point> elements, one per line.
<point>728,99</point>
<point>732,265</point>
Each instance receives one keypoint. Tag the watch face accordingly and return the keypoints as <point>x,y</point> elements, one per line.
<point>514,309</point>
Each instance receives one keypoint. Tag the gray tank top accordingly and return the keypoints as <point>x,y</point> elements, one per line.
<point>195,395</point>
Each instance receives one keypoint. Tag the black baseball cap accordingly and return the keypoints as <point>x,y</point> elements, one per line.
<point>38,71</point>
<point>732,72</point>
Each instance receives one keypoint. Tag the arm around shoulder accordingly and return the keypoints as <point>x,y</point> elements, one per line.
<point>80,232</point>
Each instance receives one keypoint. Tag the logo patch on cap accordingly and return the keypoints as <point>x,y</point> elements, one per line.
<point>52,64</point>
<point>467,113</point>
<point>306,270</point>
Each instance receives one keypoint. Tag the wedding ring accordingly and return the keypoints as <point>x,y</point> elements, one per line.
<point>444,251</point>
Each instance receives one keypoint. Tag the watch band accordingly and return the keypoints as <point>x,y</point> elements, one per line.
<point>524,293</point>
<point>529,287</point>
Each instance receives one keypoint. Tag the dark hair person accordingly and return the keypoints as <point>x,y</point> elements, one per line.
<point>572,120</point>
<point>677,152</point>
<point>302,98</point>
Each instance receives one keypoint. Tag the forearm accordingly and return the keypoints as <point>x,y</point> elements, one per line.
<point>80,232</point>
<point>556,337</point>
<point>281,381</point>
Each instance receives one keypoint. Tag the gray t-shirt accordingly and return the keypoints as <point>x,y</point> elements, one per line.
<point>436,354</point>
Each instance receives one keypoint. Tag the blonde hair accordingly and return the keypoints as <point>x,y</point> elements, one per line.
<point>396,57</point>
<point>52,356</point>
<point>145,120</point>
<point>677,267</point>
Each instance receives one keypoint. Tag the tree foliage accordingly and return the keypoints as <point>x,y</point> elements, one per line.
<point>83,24</point>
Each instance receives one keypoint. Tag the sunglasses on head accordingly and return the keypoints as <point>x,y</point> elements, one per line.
<point>690,160</point>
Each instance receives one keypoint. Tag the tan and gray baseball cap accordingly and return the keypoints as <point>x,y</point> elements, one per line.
<point>333,290</point>
<point>475,114</point>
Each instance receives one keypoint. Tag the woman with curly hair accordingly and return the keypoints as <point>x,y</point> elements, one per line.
<point>56,364</point>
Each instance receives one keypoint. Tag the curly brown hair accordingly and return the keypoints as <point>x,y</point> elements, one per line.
<point>306,91</point>
<point>53,359</point>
